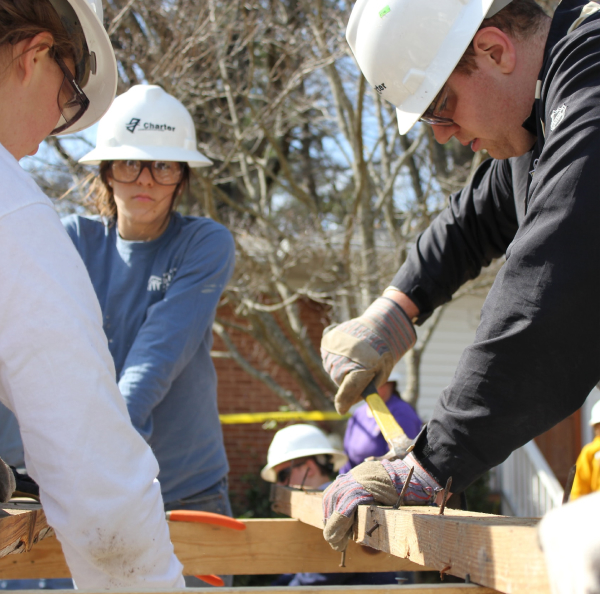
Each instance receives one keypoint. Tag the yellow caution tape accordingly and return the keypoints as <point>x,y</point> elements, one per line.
<point>301,415</point>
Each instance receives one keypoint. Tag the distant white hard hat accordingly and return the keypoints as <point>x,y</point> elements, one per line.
<point>298,441</point>
<point>148,124</point>
<point>407,49</point>
<point>595,416</point>
<point>100,80</point>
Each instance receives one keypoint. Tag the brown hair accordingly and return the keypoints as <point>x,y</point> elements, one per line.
<point>521,19</point>
<point>102,196</point>
<point>23,19</point>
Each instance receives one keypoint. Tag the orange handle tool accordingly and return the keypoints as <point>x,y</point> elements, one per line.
<point>202,517</point>
<point>213,580</point>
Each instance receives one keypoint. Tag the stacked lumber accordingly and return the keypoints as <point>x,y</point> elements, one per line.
<point>267,546</point>
<point>497,553</point>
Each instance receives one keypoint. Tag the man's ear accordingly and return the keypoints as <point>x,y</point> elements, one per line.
<point>29,53</point>
<point>495,49</point>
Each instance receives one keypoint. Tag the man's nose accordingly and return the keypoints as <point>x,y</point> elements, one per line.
<point>444,133</point>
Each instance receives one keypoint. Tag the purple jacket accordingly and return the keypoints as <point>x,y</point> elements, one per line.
<point>363,437</point>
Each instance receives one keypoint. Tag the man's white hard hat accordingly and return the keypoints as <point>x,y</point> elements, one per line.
<point>595,415</point>
<point>148,124</point>
<point>101,84</point>
<point>299,441</point>
<point>407,49</point>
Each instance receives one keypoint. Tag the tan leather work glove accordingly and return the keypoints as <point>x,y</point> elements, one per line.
<point>364,348</point>
<point>368,482</point>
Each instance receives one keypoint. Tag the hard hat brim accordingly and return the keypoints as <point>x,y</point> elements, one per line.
<point>449,55</point>
<point>403,65</point>
<point>146,153</point>
<point>101,86</point>
<point>269,475</point>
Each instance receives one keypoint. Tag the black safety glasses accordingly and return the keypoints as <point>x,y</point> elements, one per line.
<point>283,476</point>
<point>166,173</point>
<point>72,101</point>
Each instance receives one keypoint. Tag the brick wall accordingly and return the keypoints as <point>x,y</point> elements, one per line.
<point>239,392</point>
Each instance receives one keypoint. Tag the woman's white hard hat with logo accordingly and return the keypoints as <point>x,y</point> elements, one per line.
<point>99,82</point>
<point>407,49</point>
<point>299,441</point>
<point>147,124</point>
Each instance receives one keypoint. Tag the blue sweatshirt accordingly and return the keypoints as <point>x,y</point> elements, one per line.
<point>158,301</point>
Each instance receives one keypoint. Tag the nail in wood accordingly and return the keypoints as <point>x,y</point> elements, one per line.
<point>445,496</point>
<point>404,488</point>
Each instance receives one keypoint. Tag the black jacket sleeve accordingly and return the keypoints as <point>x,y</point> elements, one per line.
<point>536,354</point>
<point>476,227</point>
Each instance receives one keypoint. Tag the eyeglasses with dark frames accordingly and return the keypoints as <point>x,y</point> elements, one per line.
<point>165,173</point>
<point>72,101</point>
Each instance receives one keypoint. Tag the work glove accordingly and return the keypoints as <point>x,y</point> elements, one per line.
<point>366,348</point>
<point>369,482</point>
<point>7,482</point>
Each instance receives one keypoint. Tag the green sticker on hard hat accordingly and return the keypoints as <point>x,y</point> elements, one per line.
<point>384,11</point>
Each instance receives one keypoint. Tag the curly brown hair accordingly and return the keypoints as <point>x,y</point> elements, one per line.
<point>102,196</point>
<point>23,19</point>
<point>521,19</point>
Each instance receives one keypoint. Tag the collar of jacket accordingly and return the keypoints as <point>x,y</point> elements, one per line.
<point>567,12</point>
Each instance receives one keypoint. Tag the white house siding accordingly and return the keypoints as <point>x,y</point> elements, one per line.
<point>455,331</point>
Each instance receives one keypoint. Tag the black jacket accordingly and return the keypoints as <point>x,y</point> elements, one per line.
<point>536,354</point>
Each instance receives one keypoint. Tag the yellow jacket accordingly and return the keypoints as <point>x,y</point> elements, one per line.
<point>587,477</point>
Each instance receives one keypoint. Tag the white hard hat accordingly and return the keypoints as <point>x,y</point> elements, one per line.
<point>148,124</point>
<point>101,83</point>
<point>407,49</point>
<point>595,416</point>
<point>299,441</point>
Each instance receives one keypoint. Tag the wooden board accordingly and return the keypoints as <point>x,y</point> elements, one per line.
<point>496,551</point>
<point>271,547</point>
<point>21,526</point>
<point>406,589</point>
<point>266,547</point>
<point>306,506</point>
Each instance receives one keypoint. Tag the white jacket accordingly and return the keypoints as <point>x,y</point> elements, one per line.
<point>570,540</point>
<point>97,476</point>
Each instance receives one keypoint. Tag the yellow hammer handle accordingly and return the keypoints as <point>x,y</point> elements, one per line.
<point>390,429</point>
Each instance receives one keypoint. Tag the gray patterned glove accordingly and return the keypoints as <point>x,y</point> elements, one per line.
<point>368,482</point>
